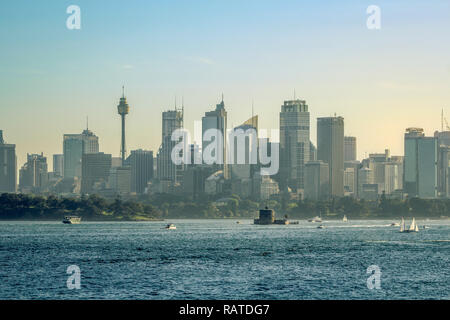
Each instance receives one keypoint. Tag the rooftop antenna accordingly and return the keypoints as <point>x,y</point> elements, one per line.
<point>87,122</point>
<point>182,110</point>
<point>442,120</point>
<point>222,96</point>
<point>123,91</point>
<point>294,95</point>
<point>175,102</point>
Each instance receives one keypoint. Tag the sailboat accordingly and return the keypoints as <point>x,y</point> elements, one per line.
<point>402,225</point>
<point>412,228</point>
<point>344,219</point>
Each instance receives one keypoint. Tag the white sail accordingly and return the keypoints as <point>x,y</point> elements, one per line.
<point>344,219</point>
<point>402,225</point>
<point>412,227</point>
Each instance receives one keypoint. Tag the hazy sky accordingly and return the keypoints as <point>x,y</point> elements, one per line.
<point>380,81</point>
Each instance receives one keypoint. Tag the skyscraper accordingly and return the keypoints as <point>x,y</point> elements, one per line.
<point>58,165</point>
<point>294,144</point>
<point>141,162</point>
<point>166,168</point>
<point>245,145</point>
<point>420,168</point>
<point>34,173</point>
<point>8,166</point>
<point>330,149</point>
<point>95,171</point>
<point>217,119</point>
<point>316,180</point>
<point>74,146</point>
<point>123,109</point>
<point>349,148</point>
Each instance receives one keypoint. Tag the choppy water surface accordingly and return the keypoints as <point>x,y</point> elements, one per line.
<point>220,259</point>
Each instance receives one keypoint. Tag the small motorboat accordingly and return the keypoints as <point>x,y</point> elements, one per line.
<point>71,220</point>
<point>171,226</point>
<point>315,219</point>
<point>395,224</point>
<point>321,227</point>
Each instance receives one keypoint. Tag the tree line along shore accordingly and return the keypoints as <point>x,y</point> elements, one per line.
<point>164,206</point>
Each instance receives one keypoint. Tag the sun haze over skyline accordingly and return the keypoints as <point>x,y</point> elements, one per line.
<point>381,81</point>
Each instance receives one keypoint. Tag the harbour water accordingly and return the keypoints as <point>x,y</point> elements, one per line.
<point>220,259</point>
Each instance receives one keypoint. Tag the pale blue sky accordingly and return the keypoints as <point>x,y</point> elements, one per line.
<point>381,81</point>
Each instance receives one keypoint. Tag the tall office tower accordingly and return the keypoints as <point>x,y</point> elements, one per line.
<point>420,164</point>
<point>58,165</point>
<point>377,162</point>
<point>317,180</point>
<point>166,169</point>
<point>120,180</point>
<point>8,166</point>
<point>443,163</point>
<point>349,148</point>
<point>312,152</point>
<point>217,119</point>
<point>74,146</point>
<point>294,144</point>
<point>444,171</point>
<point>33,175</point>
<point>141,162</point>
<point>365,178</point>
<point>95,171</point>
<point>123,109</point>
<point>330,149</point>
<point>351,169</point>
<point>245,146</point>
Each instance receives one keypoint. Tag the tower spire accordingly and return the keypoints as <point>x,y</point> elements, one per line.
<point>123,91</point>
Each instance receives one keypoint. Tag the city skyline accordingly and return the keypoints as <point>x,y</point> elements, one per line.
<point>373,78</point>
